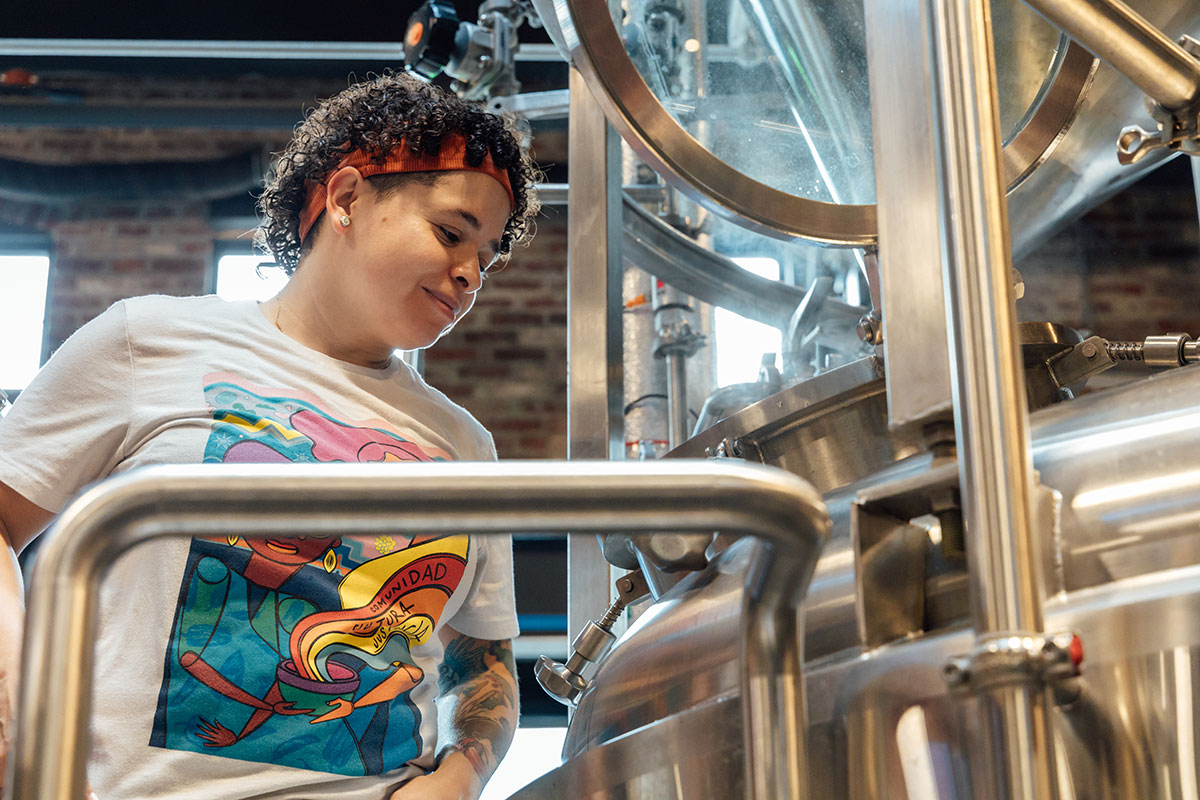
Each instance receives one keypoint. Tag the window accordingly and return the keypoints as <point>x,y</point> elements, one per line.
<point>25,278</point>
<point>248,277</point>
<point>741,342</point>
<point>534,752</point>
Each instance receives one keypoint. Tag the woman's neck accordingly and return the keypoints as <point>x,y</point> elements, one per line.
<point>302,313</point>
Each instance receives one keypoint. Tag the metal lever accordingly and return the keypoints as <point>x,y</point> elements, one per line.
<point>565,682</point>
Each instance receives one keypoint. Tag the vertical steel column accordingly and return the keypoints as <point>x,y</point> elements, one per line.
<point>991,417</point>
<point>593,326</point>
<point>916,353</point>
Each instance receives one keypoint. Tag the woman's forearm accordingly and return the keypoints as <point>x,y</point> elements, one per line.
<point>12,618</point>
<point>478,704</point>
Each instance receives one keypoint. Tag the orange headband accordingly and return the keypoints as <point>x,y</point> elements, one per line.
<point>452,156</point>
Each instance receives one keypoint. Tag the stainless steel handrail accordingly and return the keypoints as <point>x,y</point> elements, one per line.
<point>47,760</point>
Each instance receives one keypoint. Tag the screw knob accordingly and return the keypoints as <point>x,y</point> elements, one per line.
<point>429,38</point>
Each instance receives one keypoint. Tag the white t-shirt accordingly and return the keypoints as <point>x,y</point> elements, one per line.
<point>274,669</point>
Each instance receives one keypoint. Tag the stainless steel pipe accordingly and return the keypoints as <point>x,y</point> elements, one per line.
<point>990,410</point>
<point>1138,50</point>
<point>677,400</point>
<point>48,758</point>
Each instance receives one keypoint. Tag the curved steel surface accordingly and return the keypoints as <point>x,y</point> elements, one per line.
<point>832,430</point>
<point>693,755</point>
<point>882,724</point>
<point>597,50</point>
<point>655,247</point>
<point>549,18</point>
<point>1052,114</point>
<point>1123,463</point>
<point>307,499</point>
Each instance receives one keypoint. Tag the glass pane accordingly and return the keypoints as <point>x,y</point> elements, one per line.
<point>778,89</point>
<point>248,277</point>
<point>22,317</point>
<point>741,343</point>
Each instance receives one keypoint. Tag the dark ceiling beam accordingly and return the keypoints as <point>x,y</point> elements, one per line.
<point>231,117</point>
<point>252,50</point>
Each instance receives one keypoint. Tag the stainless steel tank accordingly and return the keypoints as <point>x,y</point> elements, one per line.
<point>771,128</point>
<point>1121,569</point>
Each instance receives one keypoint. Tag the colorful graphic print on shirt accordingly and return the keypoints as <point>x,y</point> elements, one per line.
<point>298,652</point>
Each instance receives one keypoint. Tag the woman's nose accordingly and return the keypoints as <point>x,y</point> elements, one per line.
<point>467,275</point>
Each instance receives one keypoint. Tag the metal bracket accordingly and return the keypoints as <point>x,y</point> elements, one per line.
<point>891,553</point>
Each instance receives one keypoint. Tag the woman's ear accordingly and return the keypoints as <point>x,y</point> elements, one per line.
<point>345,188</point>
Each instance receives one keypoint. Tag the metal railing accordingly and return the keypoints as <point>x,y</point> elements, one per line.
<point>48,758</point>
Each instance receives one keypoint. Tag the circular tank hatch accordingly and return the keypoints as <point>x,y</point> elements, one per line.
<point>759,109</point>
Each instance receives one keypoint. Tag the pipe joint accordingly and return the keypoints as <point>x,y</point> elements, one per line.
<point>1017,659</point>
<point>1178,125</point>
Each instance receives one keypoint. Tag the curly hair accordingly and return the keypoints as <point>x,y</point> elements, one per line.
<point>374,116</point>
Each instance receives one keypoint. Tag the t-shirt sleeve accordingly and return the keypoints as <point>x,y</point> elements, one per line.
<point>67,429</point>
<point>489,610</point>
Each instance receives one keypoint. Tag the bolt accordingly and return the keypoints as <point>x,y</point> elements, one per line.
<point>956,671</point>
<point>1089,350</point>
<point>868,330</point>
<point>625,585</point>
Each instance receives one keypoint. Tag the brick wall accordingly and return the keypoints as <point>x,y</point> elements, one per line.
<point>1127,269</point>
<point>506,362</point>
<point>138,251</point>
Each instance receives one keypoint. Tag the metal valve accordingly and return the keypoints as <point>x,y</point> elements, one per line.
<point>566,682</point>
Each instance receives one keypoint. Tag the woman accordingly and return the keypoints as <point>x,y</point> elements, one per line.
<point>297,668</point>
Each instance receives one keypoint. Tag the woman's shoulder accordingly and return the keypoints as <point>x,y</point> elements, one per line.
<point>161,309</point>
<point>174,304</point>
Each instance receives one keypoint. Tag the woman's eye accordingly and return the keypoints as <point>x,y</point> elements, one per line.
<point>450,236</point>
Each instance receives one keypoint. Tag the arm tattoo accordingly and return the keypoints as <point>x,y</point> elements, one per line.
<point>479,700</point>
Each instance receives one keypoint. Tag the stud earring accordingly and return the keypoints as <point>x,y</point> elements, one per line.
<point>345,221</point>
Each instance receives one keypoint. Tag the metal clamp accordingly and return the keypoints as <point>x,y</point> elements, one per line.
<point>565,682</point>
<point>1019,659</point>
<point>1178,129</point>
<point>678,339</point>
